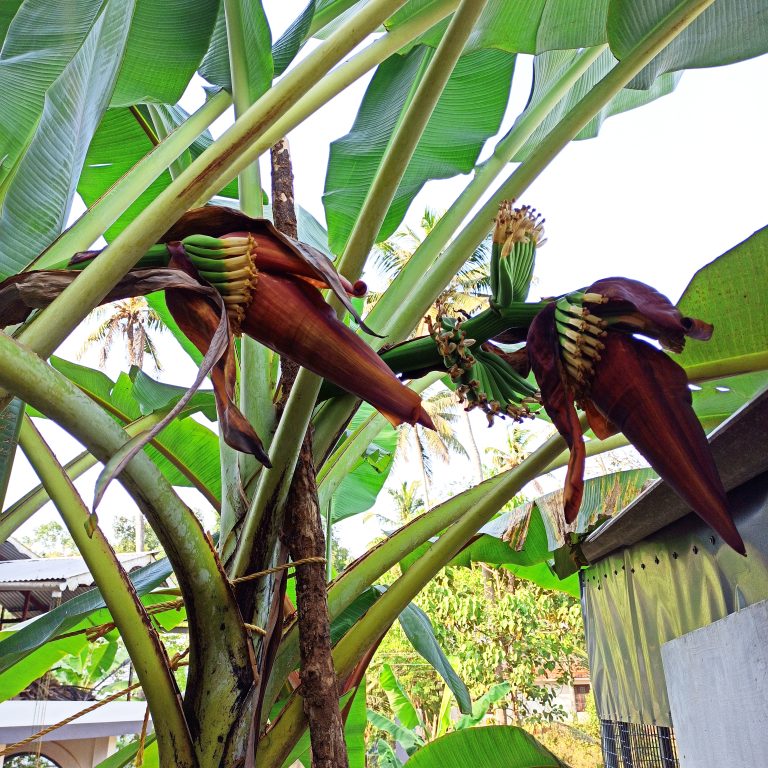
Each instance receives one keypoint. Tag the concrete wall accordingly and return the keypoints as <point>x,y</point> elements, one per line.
<point>72,753</point>
<point>717,682</point>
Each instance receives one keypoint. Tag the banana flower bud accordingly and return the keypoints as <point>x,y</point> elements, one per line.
<point>582,350</point>
<point>516,235</point>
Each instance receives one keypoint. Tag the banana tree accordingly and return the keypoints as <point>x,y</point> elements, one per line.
<point>96,87</point>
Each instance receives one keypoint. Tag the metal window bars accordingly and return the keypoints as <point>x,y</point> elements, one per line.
<point>629,745</point>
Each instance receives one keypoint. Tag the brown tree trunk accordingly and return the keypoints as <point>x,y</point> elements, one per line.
<point>305,539</point>
<point>318,676</point>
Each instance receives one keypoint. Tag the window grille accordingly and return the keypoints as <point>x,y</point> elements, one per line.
<point>628,745</point>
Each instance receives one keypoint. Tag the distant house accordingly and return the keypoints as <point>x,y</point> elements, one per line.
<point>676,622</point>
<point>84,743</point>
<point>29,587</point>
<point>571,697</point>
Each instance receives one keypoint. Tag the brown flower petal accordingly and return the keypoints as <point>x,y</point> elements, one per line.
<point>291,317</point>
<point>652,313</point>
<point>557,398</point>
<point>645,393</point>
<point>213,220</point>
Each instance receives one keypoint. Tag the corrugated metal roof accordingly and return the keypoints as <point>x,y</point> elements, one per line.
<point>66,573</point>
<point>14,550</point>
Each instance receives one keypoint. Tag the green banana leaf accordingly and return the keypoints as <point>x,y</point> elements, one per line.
<point>20,643</point>
<point>125,755</point>
<point>549,66</point>
<point>257,38</point>
<point>10,424</point>
<point>288,44</point>
<point>727,31</point>
<point>468,112</point>
<point>354,732</point>
<point>120,143</point>
<point>408,739</point>
<point>418,629</point>
<point>400,703</point>
<point>727,294</point>
<point>500,746</point>
<point>96,54</point>
<point>531,26</point>
<point>47,126</point>
<point>185,441</point>
<point>8,10</point>
<point>358,492</point>
<point>386,755</point>
<point>482,705</point>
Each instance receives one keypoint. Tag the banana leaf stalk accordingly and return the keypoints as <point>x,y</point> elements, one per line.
<point>582,350</point>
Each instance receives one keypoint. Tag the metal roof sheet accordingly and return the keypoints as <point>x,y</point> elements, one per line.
<point>14,550</point>
<point>62,573</point>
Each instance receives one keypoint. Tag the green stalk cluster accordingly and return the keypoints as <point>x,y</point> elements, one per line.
<point>579,333</point>
<point>482,379</point>
<point>517,234</point>
<point>503,391</point>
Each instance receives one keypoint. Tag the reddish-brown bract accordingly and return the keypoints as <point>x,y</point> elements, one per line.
<point>291,317</point>
<point>638,390</point>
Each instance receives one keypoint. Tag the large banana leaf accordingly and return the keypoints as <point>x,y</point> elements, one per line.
<point>287,46</point>
<point>468,112</point>
<point>408,739</point>
<point>727,294</point>
<point>167,42</point>
<point>118,144</point>
<point>359,490</point>
<point>730,293</point>
<point>482,705</point>
<point>524,539</point>
<point>185,441</point>
<point>419,631</point>
<point>500,746</point>
<point>48,124</point>
<point>399,701</point>
<point>125,755</point>
<point>728,31</point>
<point>64,27</point>
<point>353,703</point>
<point>10,424</point>
<point>548,67</point>
<point>526,26</point>
<point>8,9</point>
<point>257,37</point>
<point>96,52</point>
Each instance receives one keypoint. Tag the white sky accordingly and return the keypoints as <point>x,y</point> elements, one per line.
<point>662,191</point>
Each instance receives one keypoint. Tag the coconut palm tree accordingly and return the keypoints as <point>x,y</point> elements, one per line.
<point>407,501</point>
<point>467,292</point>
<point>133,320</point>
<point>426,445</point>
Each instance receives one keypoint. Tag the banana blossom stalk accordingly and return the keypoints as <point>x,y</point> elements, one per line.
<point>582,350</point>
<point>225,274</point>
